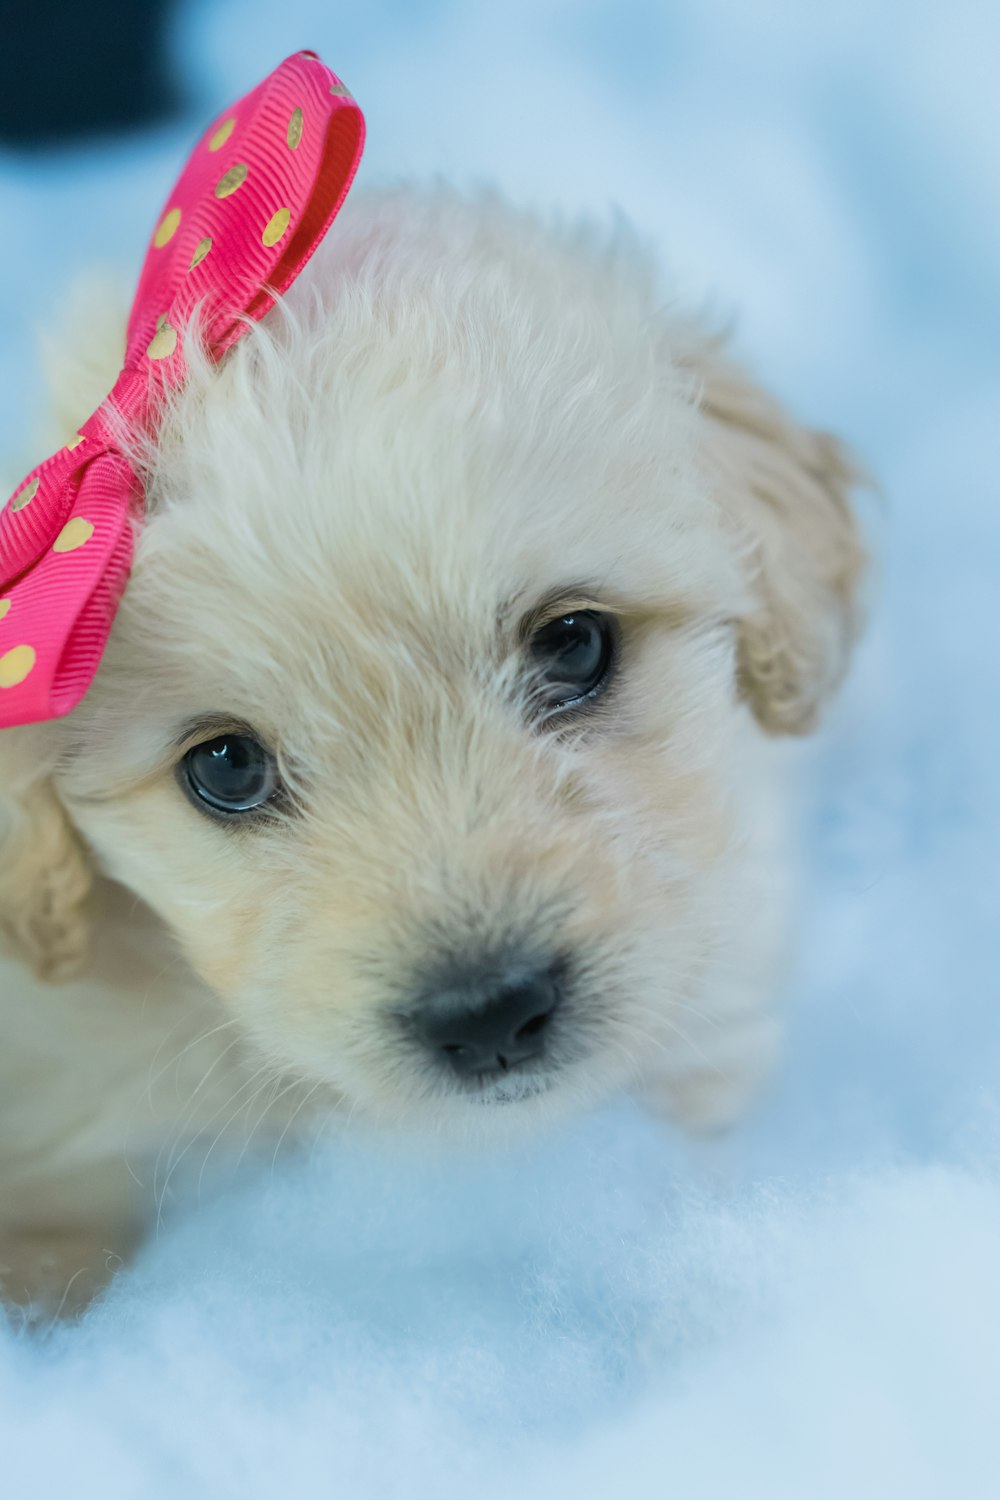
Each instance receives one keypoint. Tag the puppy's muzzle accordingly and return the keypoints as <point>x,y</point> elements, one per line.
<point>487,1024</point>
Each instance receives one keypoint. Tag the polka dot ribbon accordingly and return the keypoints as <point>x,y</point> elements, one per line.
<point>256,197</point>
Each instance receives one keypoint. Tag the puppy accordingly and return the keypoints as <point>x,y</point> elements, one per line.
<point>433,769</point>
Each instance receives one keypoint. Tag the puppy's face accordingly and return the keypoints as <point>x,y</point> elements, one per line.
<point>423,720</point>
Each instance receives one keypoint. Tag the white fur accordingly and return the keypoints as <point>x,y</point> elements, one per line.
<point>456,414</point>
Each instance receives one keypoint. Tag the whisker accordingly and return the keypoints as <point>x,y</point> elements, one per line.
<point>302,1104</point>
<point>176,1159</point>
<point>241,1109</point>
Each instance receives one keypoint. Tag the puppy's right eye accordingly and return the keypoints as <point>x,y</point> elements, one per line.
<point>574,656</point>
<point>229,775</point>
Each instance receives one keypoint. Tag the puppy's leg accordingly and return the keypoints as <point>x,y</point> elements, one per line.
<point>50,1271</point>
<point>729,1036</point>
<point>716,1088</point>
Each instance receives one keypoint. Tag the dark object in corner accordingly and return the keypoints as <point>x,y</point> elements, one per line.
<point>73,69</point>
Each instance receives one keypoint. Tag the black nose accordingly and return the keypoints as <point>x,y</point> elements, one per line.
<point>489,1024</point>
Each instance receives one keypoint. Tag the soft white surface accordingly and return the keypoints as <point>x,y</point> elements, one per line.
<point>812,1308</point>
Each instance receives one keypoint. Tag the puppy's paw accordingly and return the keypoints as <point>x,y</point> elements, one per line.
<point>715,1092</point>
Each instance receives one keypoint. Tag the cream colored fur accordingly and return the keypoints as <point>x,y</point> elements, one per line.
<point>456,414</point>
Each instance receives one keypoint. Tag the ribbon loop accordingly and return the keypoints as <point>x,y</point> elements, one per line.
<point>256,197</point>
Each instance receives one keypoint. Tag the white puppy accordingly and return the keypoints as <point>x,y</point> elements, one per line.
<point>431,769</point>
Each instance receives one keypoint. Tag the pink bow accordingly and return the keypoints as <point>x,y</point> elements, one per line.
<point>256,197</point>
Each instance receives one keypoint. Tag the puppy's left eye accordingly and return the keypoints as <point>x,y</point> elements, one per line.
<point>574,656</point>
<point>231,774</point>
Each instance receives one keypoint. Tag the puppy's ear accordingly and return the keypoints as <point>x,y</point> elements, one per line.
<point>786,491</point>
<point>45,877</point>
<point>45,873</point>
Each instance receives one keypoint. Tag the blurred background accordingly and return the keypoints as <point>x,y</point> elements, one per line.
<point>827,177</point>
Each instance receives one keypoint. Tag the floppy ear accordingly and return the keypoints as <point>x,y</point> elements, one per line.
<point>45,873</point>
<point>45,876</point>
<point>785,489</point>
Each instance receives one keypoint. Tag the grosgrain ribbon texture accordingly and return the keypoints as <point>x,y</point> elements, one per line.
<point>257,196</point>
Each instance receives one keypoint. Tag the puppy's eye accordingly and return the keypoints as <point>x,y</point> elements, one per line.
<point>574,656</point>
<point>231,774</point>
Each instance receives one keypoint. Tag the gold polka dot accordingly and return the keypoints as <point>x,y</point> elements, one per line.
<point>164,341</point>
<point>75,442</point>
<point>15,665</point>
<point>223,133</point>
<point>4,608</point>
<point>24,497</point>
<point>340,91</point>
<point>276,226</point>
<point>204,246</point>
<point>167,228</point>
<point>294,129</point>
<point>75,533</point>
<point>233,179</point>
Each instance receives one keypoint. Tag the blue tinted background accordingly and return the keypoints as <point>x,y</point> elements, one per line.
<point>812,1307</point>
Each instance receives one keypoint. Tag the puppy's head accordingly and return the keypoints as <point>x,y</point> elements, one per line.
<point>467,588</point>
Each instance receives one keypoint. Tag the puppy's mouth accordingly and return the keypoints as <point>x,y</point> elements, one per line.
<point>512,1085</point>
